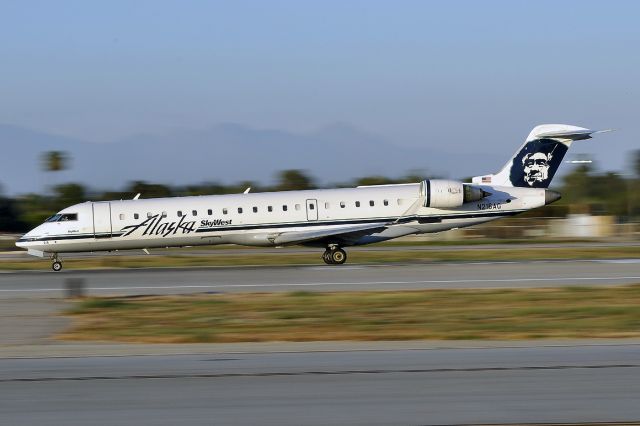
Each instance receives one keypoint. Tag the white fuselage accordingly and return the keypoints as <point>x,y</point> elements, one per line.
<point>259,219</point>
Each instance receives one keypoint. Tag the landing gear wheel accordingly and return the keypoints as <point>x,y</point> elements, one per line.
<point>338,256</point>
<point>56,266</point>
<point>326,256</point>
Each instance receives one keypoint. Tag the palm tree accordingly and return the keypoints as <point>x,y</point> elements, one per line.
<point>54,161</point>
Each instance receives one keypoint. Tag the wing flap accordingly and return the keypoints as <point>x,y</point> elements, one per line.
<point>344,233</point>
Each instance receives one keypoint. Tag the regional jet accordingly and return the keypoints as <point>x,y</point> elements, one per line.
<point>326,218</point>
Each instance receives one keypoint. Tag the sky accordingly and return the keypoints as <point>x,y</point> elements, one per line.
<point>465,76</point>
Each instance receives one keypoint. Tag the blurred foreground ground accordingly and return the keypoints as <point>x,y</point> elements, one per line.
<point>45,380</point>
<point>386,384</point>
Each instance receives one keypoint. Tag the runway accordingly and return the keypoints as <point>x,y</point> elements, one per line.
<point>331,383</point>
<point>325,278</point>
<point>592,383</point>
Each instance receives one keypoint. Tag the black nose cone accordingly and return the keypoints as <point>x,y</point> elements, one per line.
<point>551,196</point>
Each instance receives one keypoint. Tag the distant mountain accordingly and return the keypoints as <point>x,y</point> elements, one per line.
<point>225,153</point>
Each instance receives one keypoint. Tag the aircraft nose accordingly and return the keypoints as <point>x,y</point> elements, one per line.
<point>551,196</point>
<point>26,238</point>
<point>22,241</point>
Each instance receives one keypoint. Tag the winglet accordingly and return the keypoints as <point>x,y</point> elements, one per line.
<point>137,196</point>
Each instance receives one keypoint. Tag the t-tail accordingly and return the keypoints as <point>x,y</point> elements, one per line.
<point>538,159</point>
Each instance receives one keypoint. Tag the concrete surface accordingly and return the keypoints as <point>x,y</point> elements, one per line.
<point>325,278</point>
<point>592,383</point>
<point>30,321</point>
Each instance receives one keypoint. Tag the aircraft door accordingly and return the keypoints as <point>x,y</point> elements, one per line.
<point>312,209</point>
<point>101,219</point>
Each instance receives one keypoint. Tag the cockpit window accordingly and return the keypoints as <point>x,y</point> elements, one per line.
<point>54,218</point>
<point>65,217</point>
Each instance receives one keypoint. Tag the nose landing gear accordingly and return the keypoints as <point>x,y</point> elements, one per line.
<point>57,264</point>
<point>334,256</point>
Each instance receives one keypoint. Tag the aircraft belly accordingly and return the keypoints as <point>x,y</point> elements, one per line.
<point>390,233</point>
<point>452,223</point>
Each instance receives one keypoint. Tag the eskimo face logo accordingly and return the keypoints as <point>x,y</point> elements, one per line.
<point>536,167</point>
<point>536,163</point>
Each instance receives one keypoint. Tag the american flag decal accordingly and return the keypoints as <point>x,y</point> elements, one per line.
<point>486,179</point>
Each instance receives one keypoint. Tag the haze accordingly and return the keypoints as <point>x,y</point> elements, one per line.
<point>448,87</point>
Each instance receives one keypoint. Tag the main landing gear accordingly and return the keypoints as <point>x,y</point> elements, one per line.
<point>334,256</point>
<point>57,264</point>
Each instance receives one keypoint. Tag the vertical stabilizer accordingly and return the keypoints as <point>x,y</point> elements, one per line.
<point>538,159</point>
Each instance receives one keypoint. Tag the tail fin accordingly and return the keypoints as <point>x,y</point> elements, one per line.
<point>538,159</point>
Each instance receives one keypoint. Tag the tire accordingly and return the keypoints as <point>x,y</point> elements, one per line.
<point>326,256</point>
<point>56,266</point>
<point>338,256</point>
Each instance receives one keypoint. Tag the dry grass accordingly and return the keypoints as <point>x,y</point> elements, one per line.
<point>571,312</point>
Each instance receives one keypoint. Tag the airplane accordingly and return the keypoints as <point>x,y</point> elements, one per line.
<point>327,218</point>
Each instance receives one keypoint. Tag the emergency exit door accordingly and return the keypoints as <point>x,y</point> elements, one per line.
<point>101,219</point>
<point>312,209</point>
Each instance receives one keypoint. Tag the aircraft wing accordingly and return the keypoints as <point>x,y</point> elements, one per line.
<point>344,234</point>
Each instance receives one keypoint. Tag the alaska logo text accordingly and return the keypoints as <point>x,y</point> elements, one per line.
<point>154,225</point>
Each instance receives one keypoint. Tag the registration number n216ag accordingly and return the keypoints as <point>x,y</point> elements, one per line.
<point>489,206</point>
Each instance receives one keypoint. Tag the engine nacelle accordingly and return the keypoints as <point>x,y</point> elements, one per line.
<point>440,193</point>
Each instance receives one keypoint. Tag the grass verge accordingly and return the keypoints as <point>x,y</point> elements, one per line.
<point>280,258</point>
<point>567,312</point>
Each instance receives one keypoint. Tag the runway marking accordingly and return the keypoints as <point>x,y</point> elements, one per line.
<point>317,373</point>
<point>324,284</point>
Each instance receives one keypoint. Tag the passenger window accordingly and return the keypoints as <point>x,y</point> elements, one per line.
<point>149,215</point>
<point>297,206</point>
<point>224,211</point>
<point>209,212</point>
<point>357,203</point>
<point>312,206</point>
<point>371,203</point>
<point>121,216</point>
<point>284,208</point>
<point>269,208</point>
<point>385,202</point>
<point>255,210</point>
<point>179,213</point>
<point>194,212</point>
<point>239,209</point>
<point>342,205</point>
<point>136,216</point>
<point>327,205</point>
<point>164,214</point>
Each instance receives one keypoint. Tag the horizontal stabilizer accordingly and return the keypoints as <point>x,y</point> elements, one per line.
<point>574,135</point>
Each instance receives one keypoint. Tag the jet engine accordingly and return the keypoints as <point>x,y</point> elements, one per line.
<point>440,193</point>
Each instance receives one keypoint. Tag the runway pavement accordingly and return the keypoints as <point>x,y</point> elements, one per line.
<point>325,383</point>
<point>579,383</point>
<point>325,278</point>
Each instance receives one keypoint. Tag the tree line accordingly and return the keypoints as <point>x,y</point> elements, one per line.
<point>584,190</point>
